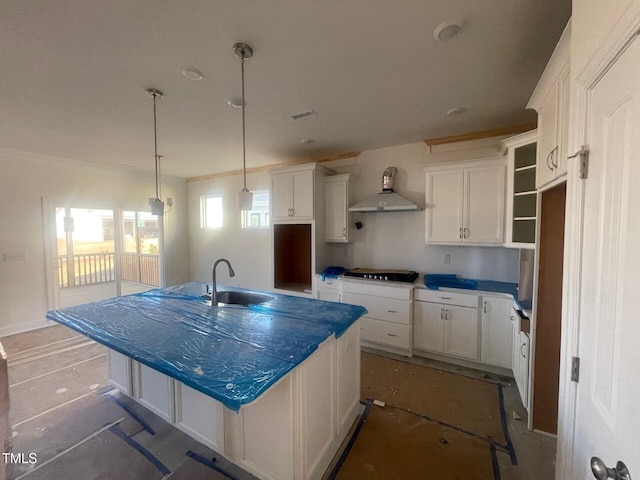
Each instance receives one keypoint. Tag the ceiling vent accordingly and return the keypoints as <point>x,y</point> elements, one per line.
<point>306,114</point>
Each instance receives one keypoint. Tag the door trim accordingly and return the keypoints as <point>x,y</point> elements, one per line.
<point>621,36</point>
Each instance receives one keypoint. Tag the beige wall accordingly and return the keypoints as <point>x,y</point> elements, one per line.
<point>248,250</point>
<point>27,178</point>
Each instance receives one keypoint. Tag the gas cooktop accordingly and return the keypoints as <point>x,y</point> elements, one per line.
<point>407,276</point>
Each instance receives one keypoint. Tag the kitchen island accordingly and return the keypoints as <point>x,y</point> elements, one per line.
<point>273,387</point>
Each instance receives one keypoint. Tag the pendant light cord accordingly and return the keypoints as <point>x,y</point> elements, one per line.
<point>155,145</point>
<point>244,148</point>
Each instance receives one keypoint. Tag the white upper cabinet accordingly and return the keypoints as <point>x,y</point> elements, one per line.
<point>292,195</point>
<point>551,100</point>
<point>521,205</point>
<point>465,202</point>
<point>338,195</point>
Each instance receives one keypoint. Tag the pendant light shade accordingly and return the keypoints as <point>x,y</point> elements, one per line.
<point>244,198</point>
<point>156,205</point>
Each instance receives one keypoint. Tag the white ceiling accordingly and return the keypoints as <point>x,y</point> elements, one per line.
<point>74,75</point>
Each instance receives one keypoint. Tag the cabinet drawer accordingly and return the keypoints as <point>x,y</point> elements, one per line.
<point>385,333</point>
<point>372,289</point>
<point>447,298</point>
<point>380,308</point>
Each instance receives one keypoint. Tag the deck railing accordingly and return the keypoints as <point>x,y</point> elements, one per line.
<point>95,268</point>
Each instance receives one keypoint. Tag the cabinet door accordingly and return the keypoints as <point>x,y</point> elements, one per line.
<point>497,332</point>
<point>302,194</point>
<point>428,328</point>
<point>547,138</point>
<point>335,212</point>
<point>461,331</point>
<point>443,198</point>
<point>327,294</point>
<point>522,378</point>
<point>484,204</point>
<point>281,196</point>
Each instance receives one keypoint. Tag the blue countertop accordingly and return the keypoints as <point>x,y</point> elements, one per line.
<point>436,282</point>
<point>230,353</point>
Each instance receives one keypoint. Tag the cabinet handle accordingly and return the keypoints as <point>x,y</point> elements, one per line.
<point>485,307</point>
<point>460,235</point>
<point>466,232</point>
<point>344,232</point>
<point>446,314</point>
<point>391,335</point>
<point>521,348</point>
<point>445,298</point>
<point>392,311</point>
<point>554,158</point>
<point>442,314</point>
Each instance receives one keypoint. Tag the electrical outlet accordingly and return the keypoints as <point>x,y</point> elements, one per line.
<point>446,259</point>
<point>15,257</point>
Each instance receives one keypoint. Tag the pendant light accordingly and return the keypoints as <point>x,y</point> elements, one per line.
<point>244,198</point>
<point>157,205</point>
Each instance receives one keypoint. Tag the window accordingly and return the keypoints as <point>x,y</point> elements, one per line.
<point>258,216</point>
<point>211,212</point>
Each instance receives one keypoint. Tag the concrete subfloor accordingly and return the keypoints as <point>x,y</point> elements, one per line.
<point>535,452</point>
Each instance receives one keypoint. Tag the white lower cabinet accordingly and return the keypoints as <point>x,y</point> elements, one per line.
<point>497,334</point>
<point>329,289</point>
<point>387,323</point>
<point>446,323</point>
<point>291,432</point>
<point>520,358</point>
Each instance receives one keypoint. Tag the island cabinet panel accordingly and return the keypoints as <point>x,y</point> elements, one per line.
<point>200,416</point>
<point>317,408</point>
<point>154,390</point>
<point>119,371</point>
<point>262,433</point>
<point>348,381</point>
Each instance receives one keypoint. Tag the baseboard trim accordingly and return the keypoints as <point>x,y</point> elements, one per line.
<point>5,331</point>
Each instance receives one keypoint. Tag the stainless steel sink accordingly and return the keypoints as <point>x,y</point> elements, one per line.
<point>241,298</point>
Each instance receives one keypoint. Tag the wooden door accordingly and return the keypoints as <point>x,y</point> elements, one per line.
<point>607,418</point>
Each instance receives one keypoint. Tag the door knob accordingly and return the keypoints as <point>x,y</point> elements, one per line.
<point>602,472</point>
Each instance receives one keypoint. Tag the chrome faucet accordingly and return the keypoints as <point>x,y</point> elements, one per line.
<point>214,292</point>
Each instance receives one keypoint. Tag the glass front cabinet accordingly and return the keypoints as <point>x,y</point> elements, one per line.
<point>521,190</point>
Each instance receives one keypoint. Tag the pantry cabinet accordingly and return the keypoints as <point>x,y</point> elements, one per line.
<point>446,323</point>
<point>465,202</point>
<point>497,332</point>
<point>550,100</point>
<point>338,195</point>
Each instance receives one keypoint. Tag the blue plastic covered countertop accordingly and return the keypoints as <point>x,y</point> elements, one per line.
<point>230,353</point>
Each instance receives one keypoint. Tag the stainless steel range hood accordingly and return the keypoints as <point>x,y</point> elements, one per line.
<point>387,200</point>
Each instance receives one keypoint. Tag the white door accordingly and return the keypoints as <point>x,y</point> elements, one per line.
<point>607,417</point>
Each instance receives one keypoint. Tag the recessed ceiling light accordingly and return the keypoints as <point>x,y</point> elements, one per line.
<point>447,30</point>
<point>456,111</point>
<point>192,74</point>
<point>235,102</point>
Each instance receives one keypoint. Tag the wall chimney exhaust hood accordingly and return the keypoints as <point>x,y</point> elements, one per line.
<point>387,200</point>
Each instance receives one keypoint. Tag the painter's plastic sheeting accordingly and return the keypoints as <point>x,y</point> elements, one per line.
<point>230,353</point>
